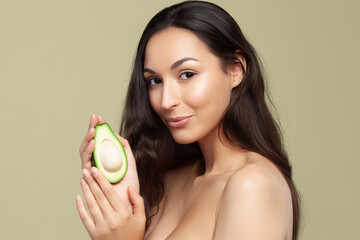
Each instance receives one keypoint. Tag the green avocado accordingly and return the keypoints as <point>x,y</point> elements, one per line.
<point>109,154</point>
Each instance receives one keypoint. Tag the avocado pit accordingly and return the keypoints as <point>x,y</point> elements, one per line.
<point>110,156</point>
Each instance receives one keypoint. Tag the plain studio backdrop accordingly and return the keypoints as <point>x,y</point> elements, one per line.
<point>62,60</point>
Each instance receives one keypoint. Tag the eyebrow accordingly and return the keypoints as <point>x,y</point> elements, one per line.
<point>175,64</point>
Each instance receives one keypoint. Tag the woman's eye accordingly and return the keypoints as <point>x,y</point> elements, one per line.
<point>153,81</point>
<point>187,75</point>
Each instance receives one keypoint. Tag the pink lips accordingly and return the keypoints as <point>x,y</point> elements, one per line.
<point>178,121</point>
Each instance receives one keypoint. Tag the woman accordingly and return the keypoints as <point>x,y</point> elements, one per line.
<point>209,158</point>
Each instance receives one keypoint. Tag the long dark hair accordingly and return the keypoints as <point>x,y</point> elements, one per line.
<point>247,122</point>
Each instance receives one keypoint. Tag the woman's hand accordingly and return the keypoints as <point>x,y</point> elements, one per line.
<point>131,176</point>
<point>111,217</point>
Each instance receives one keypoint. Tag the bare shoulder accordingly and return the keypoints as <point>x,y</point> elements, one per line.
<point>255,197</point>
<point>259,181</point>
<point>258,174</point>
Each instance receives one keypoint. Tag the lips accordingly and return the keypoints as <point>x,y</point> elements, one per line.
<point>178,121</point>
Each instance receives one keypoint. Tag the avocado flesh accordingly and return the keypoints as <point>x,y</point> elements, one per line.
<point>109,155</point>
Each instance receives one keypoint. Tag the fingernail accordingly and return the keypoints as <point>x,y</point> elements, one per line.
<point>82,181</point>
<point>85,173</point>
<point>78,197</point>
<point>94,171</point>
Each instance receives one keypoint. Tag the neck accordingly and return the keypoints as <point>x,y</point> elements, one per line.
<point>220,154</point>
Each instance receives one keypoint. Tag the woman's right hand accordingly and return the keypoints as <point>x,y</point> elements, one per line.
<point>131,177</point>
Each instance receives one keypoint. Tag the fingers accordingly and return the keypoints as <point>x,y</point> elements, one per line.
<point>89,135</point>
<point>138,203</point>
<point>100,120</point>
<point>126,146</point>
<point>109,192</point>
<point>91,202</point>
<point>87,154</point>
<point>87,145</point>
<point>85,218</point>
<point>93,120</point>
<point>108,214</point>
<point>123,141</point>
<point>97,194</point>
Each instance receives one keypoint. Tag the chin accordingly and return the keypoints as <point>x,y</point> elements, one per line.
<point>183,138</point>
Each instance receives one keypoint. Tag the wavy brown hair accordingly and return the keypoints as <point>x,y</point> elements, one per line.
<point>247,122</point>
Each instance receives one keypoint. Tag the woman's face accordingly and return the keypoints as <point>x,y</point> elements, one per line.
<point>187,87</point>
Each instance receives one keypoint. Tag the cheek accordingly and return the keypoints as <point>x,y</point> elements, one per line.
<point>212,91</point>
<point>155,100</point>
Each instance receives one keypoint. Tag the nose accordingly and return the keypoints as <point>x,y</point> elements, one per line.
<point>170,98</point>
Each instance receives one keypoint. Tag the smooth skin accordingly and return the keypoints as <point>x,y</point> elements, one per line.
<point>116,210</point>
<point>241,195</point>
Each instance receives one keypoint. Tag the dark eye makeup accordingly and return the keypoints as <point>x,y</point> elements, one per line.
<point>150,81</point>
<point>187,75</point>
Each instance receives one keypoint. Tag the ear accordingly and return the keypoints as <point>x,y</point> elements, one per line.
<point>237,69</point>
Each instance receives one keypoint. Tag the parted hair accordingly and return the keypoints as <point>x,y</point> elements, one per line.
<point>247,122</point>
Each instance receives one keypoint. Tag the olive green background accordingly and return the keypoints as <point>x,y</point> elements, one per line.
<point>62,60</point>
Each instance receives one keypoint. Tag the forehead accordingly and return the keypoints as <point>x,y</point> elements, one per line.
<point>172,44</point>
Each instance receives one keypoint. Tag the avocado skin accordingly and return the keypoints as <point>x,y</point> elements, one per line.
<point>96,164</point>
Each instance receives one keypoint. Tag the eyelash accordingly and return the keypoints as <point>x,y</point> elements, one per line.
<point>150,79</point>
<point>192,74</point>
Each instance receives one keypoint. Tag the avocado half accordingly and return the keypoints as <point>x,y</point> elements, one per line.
<point>109,154</point>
